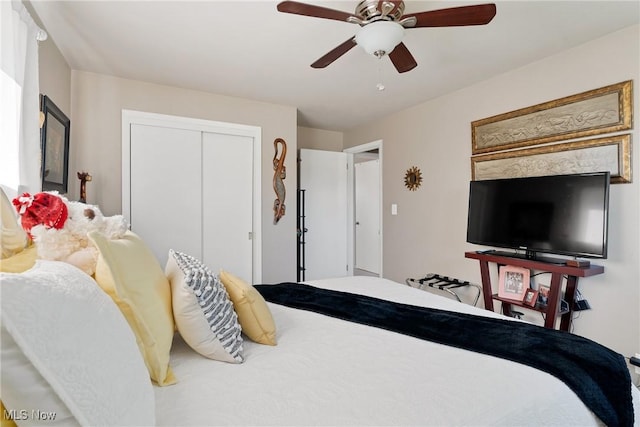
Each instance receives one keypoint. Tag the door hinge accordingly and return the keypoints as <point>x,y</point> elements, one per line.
<point>251,235</point>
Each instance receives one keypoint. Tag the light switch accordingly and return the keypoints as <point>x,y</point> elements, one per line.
<point>394,209</point>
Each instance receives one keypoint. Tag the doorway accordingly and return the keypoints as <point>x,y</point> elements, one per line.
<point>365,209</point>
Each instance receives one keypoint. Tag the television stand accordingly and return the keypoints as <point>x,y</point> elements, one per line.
<point>557,271</point>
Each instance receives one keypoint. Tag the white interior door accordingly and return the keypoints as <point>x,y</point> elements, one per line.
<point>227,200</point>
<point>166,206</point>
<point>367,213</point>
<point>323,174</point>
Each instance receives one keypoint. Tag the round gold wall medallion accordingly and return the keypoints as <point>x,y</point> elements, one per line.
<point>413,178</point>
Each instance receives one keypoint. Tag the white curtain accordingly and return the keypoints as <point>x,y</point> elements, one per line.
<point>19,99</point>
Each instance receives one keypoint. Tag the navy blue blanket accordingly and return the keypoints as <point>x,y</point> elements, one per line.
<point>596,374</point>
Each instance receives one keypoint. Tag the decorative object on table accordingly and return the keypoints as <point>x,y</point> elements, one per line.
<point>278,178</point>
<point>59,228</point>
<point>604,110</point>
<point>543,295</point>
<point>54,141</point>
<point>514,282</point>
<point>413,178</point>
<point>84,177</point>
<point>611,154</point>
<point>530,297</point>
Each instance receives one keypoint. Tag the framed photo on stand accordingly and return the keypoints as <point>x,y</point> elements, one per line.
<point>530,297</point>
<point>543,295</point>
<point>514,282</point>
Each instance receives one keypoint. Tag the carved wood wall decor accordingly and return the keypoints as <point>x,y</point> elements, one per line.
<point>603,110</point>
<point>278,178</point>
<point>611,154</point>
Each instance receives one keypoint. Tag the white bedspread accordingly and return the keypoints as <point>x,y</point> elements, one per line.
<point>326,371</point>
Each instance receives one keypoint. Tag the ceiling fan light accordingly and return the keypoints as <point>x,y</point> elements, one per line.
<point>380,37</point>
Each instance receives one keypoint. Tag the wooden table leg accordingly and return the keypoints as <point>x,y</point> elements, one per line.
<point>553,301</point>
<point>486,285</point>
<point>569,296</point>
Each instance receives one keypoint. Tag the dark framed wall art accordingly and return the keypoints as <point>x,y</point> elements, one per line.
<point>54,141</point>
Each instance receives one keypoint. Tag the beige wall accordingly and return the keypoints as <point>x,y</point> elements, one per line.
<point>54,72</point>
<point>319,139</point>
<point>97,102</point>
<point>429,232</point>
<point>55,76</point>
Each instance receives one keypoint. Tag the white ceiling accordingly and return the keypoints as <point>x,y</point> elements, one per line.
<point>248,49</point>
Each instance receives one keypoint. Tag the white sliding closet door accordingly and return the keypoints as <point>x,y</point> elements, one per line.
<point>166,205</point>
<point>227,203</point>
<point>194,186</point>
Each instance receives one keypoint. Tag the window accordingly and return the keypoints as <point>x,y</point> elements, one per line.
<point>19,99</point>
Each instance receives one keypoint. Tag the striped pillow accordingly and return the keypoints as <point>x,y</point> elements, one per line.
<point>202,310</point>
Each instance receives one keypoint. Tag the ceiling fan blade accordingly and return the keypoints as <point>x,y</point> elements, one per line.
<point>456,16</point>
<point>298,8</point>
<point>402,59</point>
<point>334,54</point>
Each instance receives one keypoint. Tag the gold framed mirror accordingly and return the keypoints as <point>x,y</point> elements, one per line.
<point>413,178</point>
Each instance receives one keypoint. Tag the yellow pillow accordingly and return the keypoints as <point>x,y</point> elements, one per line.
<point>13,238</point>
<point>6,421</point>
<point>253,313</point>
<point>19,262</point>
<point>128,271</point>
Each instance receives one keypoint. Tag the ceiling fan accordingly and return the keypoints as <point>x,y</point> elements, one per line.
<point>382,25</point>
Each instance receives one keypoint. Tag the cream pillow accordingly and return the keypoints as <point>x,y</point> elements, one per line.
<point>253,313</point>
<point>19,262</point>
<point>13,239</point>
<point>128,271</point>
<point>67,350</point>
<point>202,309</point>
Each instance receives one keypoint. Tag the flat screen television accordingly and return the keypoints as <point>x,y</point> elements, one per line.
<point>559,214</point>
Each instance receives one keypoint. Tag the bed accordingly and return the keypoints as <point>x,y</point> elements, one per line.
<point>85,365</point>
<point>327,371</point>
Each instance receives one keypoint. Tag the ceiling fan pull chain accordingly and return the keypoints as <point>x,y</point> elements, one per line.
<point>380,85</point>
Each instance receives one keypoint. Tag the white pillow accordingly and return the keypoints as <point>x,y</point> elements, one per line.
<point>67,349</point>
<point>21,379</point>
<point>202,309</point>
